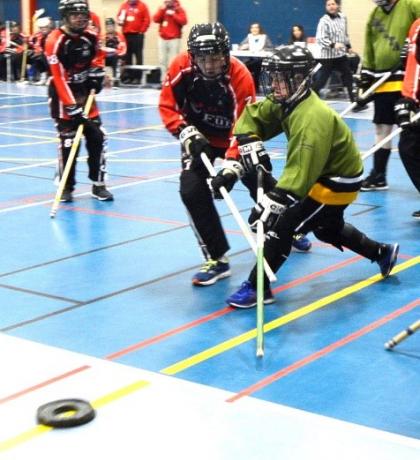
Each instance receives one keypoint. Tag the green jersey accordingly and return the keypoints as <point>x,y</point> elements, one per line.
<point>385,35</point>
<point>320,145</point>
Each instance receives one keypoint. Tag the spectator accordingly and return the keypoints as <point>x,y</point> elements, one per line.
<point>134,18</point>
<point>297,35</point>
<point>115,46</point>
<point>256,41</point>
<point>334,43</point>
<point>171,17</point>
<point>12,48</point>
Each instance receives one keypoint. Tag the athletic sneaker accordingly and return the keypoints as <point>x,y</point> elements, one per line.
<point>416,215</point>
<point>101,193</point>
<point>301,242</point>
<point>388,258</point>
<point>211,271</point>
<point>246,296</point>
<point>67,196</point>
<point>375,181</point>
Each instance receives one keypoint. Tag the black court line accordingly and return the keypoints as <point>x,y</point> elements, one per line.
<point>104,248</point>
<point>40,294</point>
<point>107,296</point>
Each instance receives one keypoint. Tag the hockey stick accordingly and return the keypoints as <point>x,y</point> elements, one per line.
<point>367,93</point>
<point>234,210</point>
<point>402,335</point>
<point>72,155</point>
<point>387,138</point>
<point>36,15</point>
<point>24,61</point>
<point>260,268</point>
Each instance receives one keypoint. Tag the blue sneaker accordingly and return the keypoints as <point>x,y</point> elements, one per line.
<point>388,258</point>
<point>246,296</point>
<point>211,271</point>
<point>301,242</point>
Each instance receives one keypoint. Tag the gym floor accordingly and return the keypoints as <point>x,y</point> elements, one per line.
<point>98,304</point>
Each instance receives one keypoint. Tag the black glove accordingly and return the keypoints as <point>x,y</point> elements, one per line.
<point>270,208</point>
<point>404,109</point>
<point>76,113</point>
<point>363,82</point>
<point>253,153</point>
<point>404,54</point>
<point>194,142</point>
<point>95,79</point>
<point>226,177</point>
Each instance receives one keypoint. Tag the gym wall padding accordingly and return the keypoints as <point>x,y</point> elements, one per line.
<point>275,16</point>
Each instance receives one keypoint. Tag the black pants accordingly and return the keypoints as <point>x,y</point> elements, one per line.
<point>15,66</point>
<point>340,65</point>
<point>134,48</point>
<point>95,145</point>
<point>409,147</point>
<point>328,225</point>
<point>197,198</point>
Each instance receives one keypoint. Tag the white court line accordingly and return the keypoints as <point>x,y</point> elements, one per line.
<point>23,144</point>
<point>130,139</point>
<point>110,154</point>
<point>29,104</point>
<point>115,187</point>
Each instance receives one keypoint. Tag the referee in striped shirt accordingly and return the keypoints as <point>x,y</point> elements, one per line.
<point>334,43</point>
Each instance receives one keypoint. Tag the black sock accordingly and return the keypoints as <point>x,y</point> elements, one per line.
<point>380,160</point>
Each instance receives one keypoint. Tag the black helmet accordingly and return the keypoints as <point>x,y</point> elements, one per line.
<point>208,39</point>
<point>68,7</point>
<point>110,22</point>
<point>292,65</point>
<point>382,2</point>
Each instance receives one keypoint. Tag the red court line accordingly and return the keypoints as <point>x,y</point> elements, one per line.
<point>323,352</point>
<point>179,329</point>
<point>44,383</point>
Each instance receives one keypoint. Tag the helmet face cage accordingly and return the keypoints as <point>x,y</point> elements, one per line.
<point>382,2</point>
<point>286,75</point>
<point>208,40</point>
<point>69,7</point>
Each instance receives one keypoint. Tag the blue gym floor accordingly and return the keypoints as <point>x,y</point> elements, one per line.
<point>112,280</point>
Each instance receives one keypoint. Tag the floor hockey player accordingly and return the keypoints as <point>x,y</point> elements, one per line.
<point>322,175</point>
<point>204,91</point>
<point>76,66</point>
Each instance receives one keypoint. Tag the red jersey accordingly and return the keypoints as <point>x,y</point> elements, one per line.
<point>70,57</point>
<point>411,83</point>
<point>37,42</point>
<point>116,41</point>
<point>134,19</point>
<point>212,106</point>
<point>96,22</point>
<point>170,25</point>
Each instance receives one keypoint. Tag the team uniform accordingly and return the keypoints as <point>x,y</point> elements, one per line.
<point>410,136</point>
<point>116,47</point>
<point>386,30</point>
<point>212,106</point>
<point>12,48</point>
<point>321,177</point>
<point>36,56</point>
<point>76,66</point>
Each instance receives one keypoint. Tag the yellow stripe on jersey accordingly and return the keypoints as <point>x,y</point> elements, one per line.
<point>390,87</point>
<point>325,195</point>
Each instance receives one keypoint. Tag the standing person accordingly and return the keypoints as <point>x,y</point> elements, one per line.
<point>409,144</point>
<point>322,175</point>
<point>134,18</point>
<point>116,46</point>
<point>386,30</point>
<point>171,18</point>
<point>74,57</point>
<point>334,43</point>
<point>12,47</point>
<point>37,56</point>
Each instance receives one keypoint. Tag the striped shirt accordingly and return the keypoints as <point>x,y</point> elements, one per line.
<point>332,30</point>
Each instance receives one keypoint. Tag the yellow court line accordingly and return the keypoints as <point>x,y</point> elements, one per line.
<point>289,317</point>
<point>100,402</point>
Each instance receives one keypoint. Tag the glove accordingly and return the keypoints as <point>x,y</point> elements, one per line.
<point>404,54</point>
<point>193,142</point>
<point>404,109</point>
<point>76,113</point>
<point>363,82</point>
<point>253,153</point>
<point>95,79</point>
<point>270,208</point>
<point>226,177</point>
